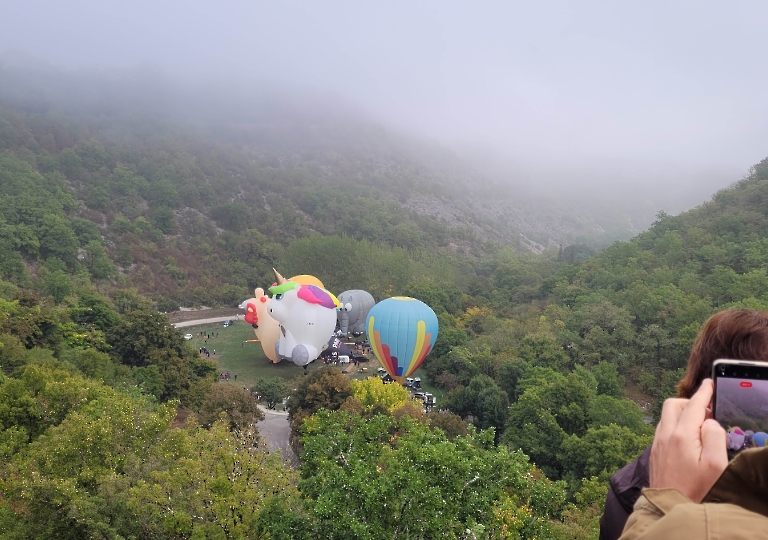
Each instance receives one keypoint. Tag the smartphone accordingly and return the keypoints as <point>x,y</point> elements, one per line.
<point>740,402</point>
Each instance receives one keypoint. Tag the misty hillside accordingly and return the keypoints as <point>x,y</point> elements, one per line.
<point>302,141</point>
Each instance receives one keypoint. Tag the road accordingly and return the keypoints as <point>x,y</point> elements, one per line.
<point>277,432</point>
<point>197,322</point>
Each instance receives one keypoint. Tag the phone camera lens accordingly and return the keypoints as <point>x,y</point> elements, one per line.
<point>722,370</point>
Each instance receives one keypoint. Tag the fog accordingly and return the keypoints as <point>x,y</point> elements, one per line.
<point>613,92</point>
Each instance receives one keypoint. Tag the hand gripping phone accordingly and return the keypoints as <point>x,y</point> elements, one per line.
<point>740,402</point>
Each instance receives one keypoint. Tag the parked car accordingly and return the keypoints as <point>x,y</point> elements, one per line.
<point>430,400</point>
<point>343,359</point>
<point>409,382</point>
<point>187,336</point>
<point>227,323</point>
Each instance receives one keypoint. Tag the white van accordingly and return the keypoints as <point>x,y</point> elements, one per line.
<point>343,359</point>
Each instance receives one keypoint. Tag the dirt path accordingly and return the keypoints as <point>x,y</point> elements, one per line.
<point>202,314</point>
<point>196,322</point>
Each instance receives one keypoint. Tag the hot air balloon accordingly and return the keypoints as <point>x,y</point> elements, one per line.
<point>402,332</point>
<point>266,328</point>
<point>307,318</point>
<point>353,311</point>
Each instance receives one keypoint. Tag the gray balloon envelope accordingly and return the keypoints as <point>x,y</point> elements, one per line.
<point>355,305</point>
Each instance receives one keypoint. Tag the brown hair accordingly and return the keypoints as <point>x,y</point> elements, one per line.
<point>735,334</point>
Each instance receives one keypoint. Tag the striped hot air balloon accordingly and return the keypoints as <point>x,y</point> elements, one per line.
<point>402,332</point>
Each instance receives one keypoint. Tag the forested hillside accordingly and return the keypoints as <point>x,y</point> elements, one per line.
<point>181,219</point>
<point>563,344</point>
<point>199,176</point>
<point>111,426</point>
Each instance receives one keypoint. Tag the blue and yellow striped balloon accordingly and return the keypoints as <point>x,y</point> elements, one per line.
<point>402,332</point>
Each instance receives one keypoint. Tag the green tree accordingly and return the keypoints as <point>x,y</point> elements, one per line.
<point>547,412</point>
<point>124,255</point>
<point>543,350</point>
<point>509,373</point>
<point>483,400</point>
<point>451,424</point>
<point>12,353</point>
<point>165,220</point>
<point>609,382</point>
<point>535,431</point>
<point>93,310</point>
<point>241,407</point>
<point>408,481</point>
<point>448,338</point>
<point>605,410</point>
<point>57,239</point>
<point>147,341</point>
<point>58,285</point>
<point>141,333</point>
<point>98,365</point>
<point>325,388</point>
<point>601,451</point>
<point>271,390</point>
<point>97,261</point>
<point>440,297</point>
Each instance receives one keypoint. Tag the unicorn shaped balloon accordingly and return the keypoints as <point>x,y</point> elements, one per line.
<point>307,318</point>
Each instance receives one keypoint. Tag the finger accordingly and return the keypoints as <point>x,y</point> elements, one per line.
<point>670,416</point>
<point>695,412</point>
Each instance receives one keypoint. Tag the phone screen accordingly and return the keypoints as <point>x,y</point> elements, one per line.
<point>741,404</point>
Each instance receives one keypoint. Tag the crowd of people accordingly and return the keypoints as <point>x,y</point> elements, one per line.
<point>684,485</point>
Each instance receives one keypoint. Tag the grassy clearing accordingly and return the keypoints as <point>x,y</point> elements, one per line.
<point>248,362</point>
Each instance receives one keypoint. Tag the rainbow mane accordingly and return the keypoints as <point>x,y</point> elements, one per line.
<point>315,295</point>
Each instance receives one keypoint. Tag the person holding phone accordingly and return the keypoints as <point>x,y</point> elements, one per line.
<point>694,493</point>
<point>733,334</point>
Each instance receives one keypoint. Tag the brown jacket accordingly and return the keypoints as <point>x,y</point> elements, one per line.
<point>735,508</point>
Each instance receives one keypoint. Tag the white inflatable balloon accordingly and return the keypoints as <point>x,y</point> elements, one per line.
<point>307,318</point>
<point>266,328</point>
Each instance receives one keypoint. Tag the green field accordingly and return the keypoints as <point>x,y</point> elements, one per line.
<point>248,362</point>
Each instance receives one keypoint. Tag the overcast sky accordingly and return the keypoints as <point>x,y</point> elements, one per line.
<point>665,82</point>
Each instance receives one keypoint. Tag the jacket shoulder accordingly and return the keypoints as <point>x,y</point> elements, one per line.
<point>630,480</point>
